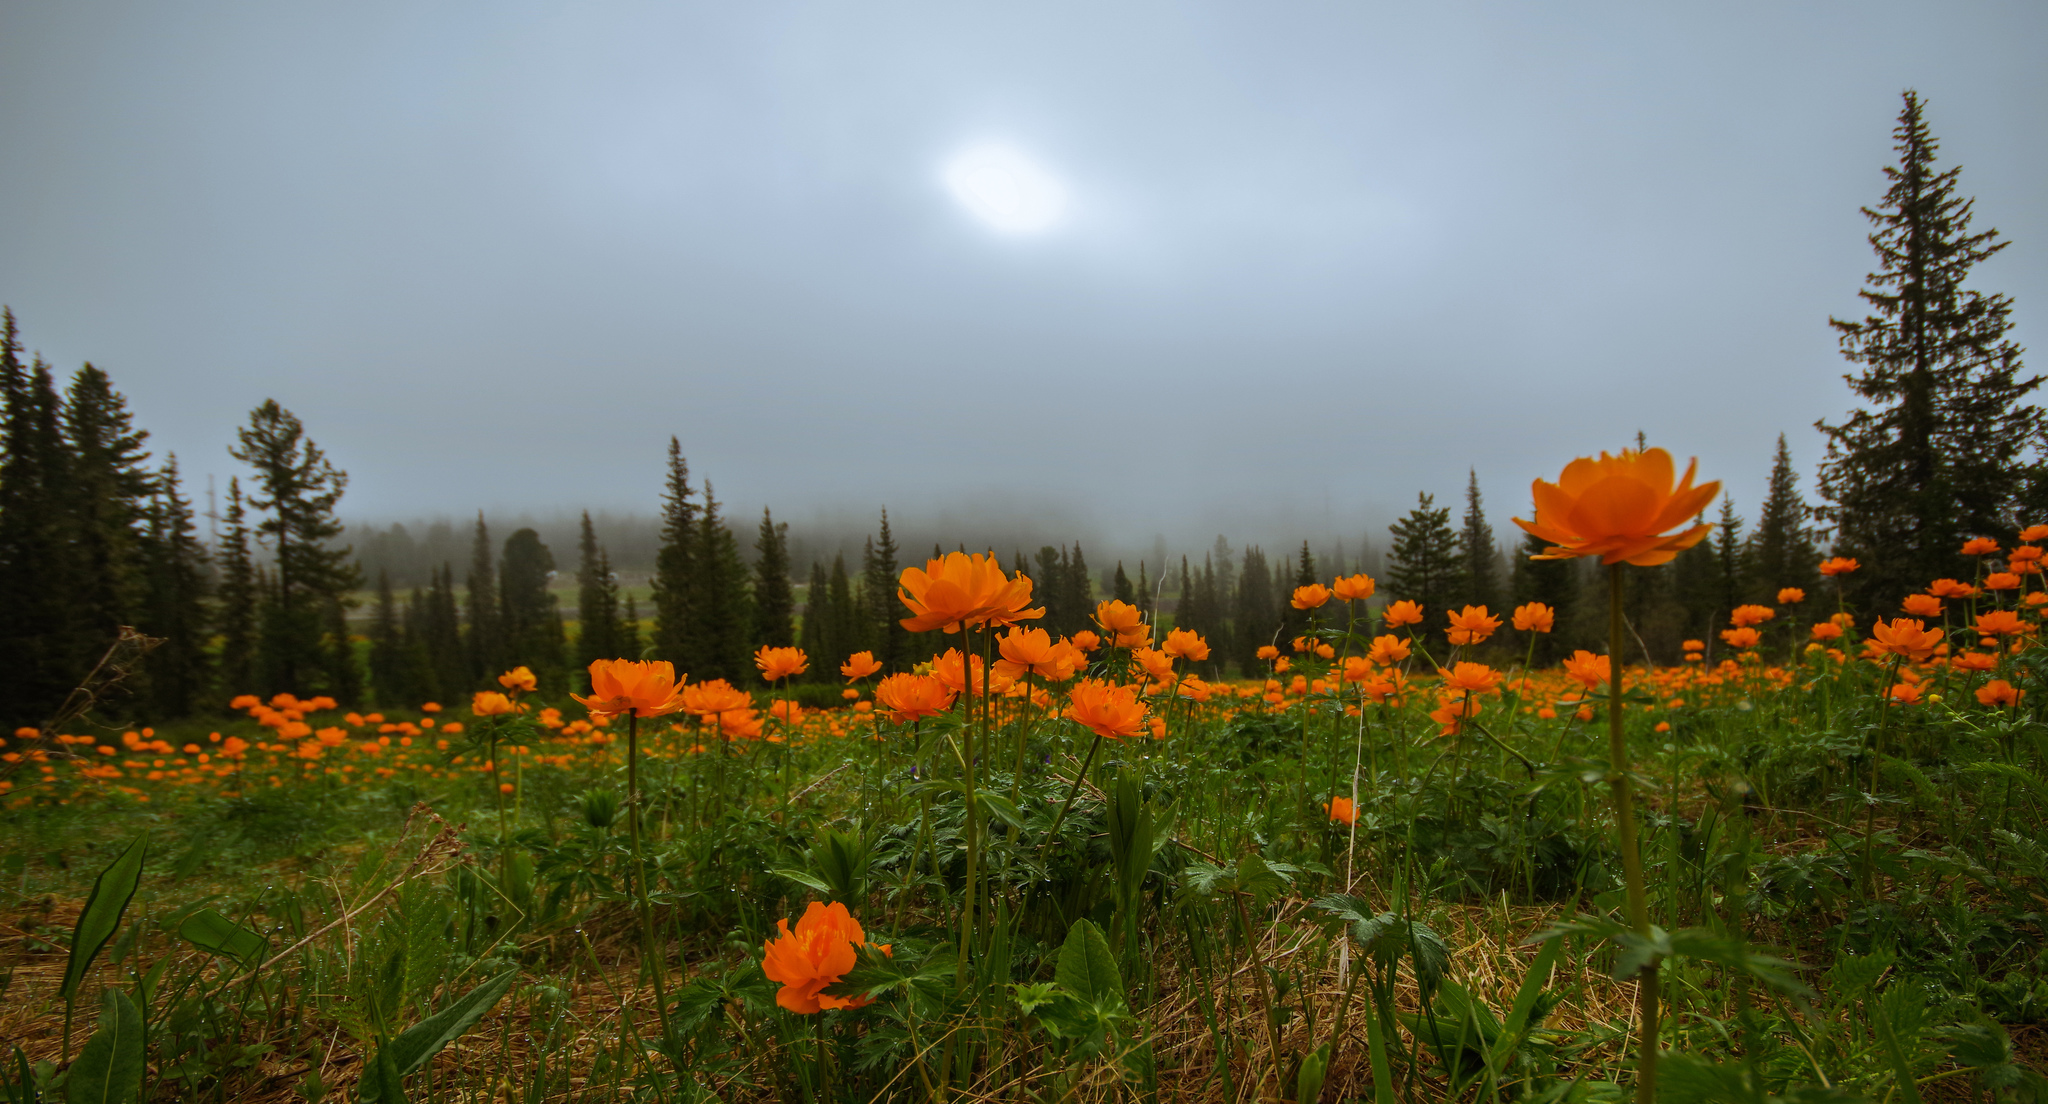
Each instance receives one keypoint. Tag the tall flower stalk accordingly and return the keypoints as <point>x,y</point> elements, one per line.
<point>1620,508</point>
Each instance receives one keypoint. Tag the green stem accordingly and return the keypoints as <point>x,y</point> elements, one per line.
<point>650,949</point>
<point>1625,830</point>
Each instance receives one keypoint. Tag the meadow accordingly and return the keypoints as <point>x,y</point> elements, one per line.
<point>1805,864</point>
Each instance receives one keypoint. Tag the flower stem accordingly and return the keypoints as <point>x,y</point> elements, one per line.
<point>1625,830</point>
<point>650,950</point>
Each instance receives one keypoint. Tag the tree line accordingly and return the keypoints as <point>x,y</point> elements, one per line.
<point>96,538</point>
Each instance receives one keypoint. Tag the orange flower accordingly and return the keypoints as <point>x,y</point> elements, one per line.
<point>1156,663</point>
<point>714,698</point>
<point>1024,650</point>
<point>1921,605</point>
<point>951,669</point>
<point>1904,637</point>
<point>1388,650</point>
<point>1839,565</point>
<point>1452,715</point>
<point>1122,621</point>
<point>1107,709</point>
<point>1472,678</point>
<point>1949,588</point>
<point>1186,644</point>
<point>2025,553</point>
<point>1353,588</point>
<point>1906,693</point>
<point>2000,623</point>
<point>1310,597</point>
<point>1741,639</point>
<point>787,712</point>
<point>490,703</point>
<point>1979,546</point>
<point>908,697</point>
<point>1744,616</point>
<point>1827,630</point>
<point>1791,596</point>
<point>964,589</point>
<point>1472,625</point>
<point>1357,669</point>
<point>518,678</point>
<point>1268,652</point>
<point>1342,810</point>
<point>1535,617</point>
<point>2001,580</point>
<point>814,957</point>
<point>859,665</point>
<point>1973,661</point>
<point>777,664</point>
<point>1999,692</point>
<point>1587,669</point>
<point>647,688</point>
<point>1618,508</point>
<point>2034,533</point>
<point>1694,645</point>
<point>1403,612</point>
<point>1086,641</point>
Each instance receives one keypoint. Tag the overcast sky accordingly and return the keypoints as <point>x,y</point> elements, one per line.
<point>1218,266</point>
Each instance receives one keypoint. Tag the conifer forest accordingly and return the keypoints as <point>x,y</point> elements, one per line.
<point>1644,799</point>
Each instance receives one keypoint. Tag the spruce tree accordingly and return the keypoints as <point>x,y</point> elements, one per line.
<point>844,624</point>
<point>38,663</point>
<point>1782,552</point>
<point>533,623</point>
<point>1697,588</point>
<point>1122,590</point>
<point>774,595</point>
<point>1478,552</point>
<point>108,489</point>
<point>443,640</point>
<point>344,671</point>
<point>1555,584</point>
<point>1145,592</point>
<point>388,659</point>
<point>1256,620</point>
<point>1935,454</point>
<point>1730,562</point>
<point>887,637</point>
<point>677,634</point>
<point>485,643</point>
<point>1077,593</point>
<point>240,614</point>
<point>815,634</point>
<point>719,599</point>
<point>598,616</point>
<point>1295,621</point>
<point>299,489</point>
<point>1424,564</point>
<point>174,601</point>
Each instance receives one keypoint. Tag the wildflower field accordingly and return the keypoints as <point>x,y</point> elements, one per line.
<point>1034,868</point>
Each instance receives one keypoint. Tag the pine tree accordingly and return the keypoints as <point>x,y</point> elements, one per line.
<point>387,645</point>
<point>240,614</point>
<point>1696,587</point>
<point>344,671</point>
<point>108,490</point>
<point>677,634</point>
<point>1730,566</point>
<point>1145,592</point>
<point>1936,455</point>
<point>1555,584</point>
<point>174,601</point>
<point>486,645</point>
<point>1122,590</point>
<point>1256,620</point>
<point>1781,550</point>
<point>719,598</point>
<point>1077,593</point>
<point>844,624</point>
<point>533,623</point>
<point>632,644</point>
<point>1296,621</point>
<point>442,638</point>
<point>1478,552</point>
<point>816,631</point>
<point>300,488</point>
<point>1423,565</point>
<point>38,665</point>
<point>774,595</point>
<point>597,606</point>
<point>887,637</point>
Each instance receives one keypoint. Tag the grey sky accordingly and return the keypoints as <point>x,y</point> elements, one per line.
<point>1314,258</point>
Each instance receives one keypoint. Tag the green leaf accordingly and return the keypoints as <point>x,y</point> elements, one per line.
<point>411,1051</point>
<point>1315,1065</point>
<point>381,1080</point>
<point>111,892</point>
<point>217,935</point>
<point>803,878</point>
<point>1087,969</point>
<point>109,1068</point>
<point>1001,808</point>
